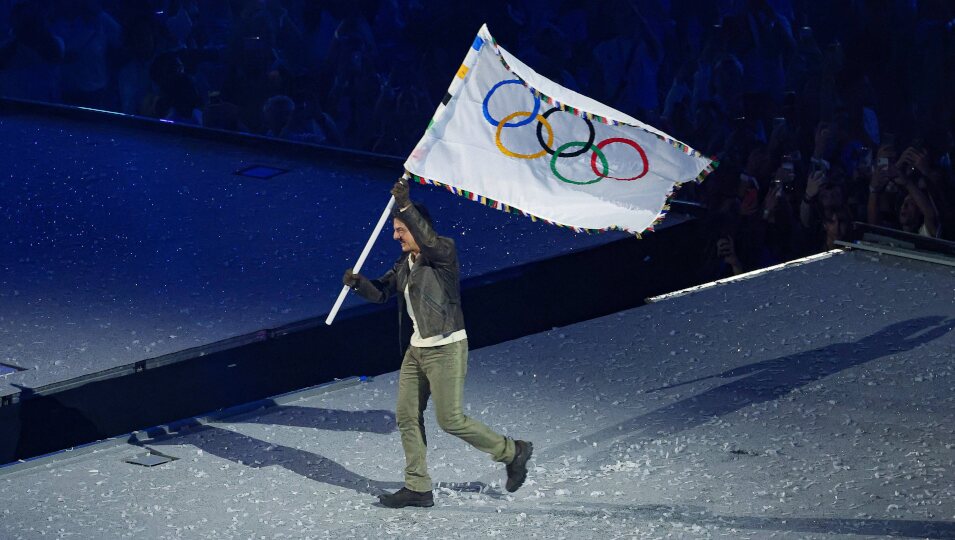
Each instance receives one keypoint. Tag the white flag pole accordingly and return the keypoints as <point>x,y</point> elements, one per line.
<point>361,259</point>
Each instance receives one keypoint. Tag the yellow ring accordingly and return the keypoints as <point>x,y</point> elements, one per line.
<point>525,114</point>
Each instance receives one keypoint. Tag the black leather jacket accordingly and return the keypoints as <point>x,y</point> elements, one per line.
<point>433,282</point>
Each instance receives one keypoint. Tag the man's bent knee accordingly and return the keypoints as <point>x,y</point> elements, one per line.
<point>452,424</point>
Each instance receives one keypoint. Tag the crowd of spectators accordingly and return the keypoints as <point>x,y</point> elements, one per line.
<point>820,113</point>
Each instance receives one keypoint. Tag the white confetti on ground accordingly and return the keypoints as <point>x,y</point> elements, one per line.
<point>814,402</point>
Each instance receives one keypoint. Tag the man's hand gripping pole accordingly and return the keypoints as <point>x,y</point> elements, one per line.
<point>363,256</point>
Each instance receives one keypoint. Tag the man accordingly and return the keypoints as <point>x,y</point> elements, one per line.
<point>425,279</point>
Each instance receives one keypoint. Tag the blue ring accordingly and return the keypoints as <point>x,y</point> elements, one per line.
<point>528,120</point>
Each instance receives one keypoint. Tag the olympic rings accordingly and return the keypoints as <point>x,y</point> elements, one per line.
<point>590,139</point>
<point>585,146</point>
<point>487,99</point>
<point>628,142</point>
<point>597,154</point>
<point>502,124</point>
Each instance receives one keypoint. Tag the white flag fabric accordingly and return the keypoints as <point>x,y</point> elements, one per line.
<point>516,141</point>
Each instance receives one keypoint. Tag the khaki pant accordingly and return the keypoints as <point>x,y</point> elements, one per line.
<point>439,372</point>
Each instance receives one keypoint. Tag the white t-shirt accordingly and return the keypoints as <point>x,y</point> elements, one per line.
<point>433,341</point>
<point>923,231</point>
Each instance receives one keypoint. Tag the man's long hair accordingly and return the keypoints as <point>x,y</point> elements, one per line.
<point>422,209</point>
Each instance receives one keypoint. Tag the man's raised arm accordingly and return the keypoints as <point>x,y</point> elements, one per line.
<point>434,247</point>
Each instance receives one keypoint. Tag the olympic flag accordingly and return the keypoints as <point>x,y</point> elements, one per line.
<point>516,141</point>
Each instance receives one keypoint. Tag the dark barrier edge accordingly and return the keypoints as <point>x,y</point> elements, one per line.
<point>362,342</point>
<point>172,429</point>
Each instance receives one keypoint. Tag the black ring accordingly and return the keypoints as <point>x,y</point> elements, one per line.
<point>586,147</point>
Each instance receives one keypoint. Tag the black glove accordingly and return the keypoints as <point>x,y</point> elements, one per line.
<point>350,279</point>
<point>400,191</point>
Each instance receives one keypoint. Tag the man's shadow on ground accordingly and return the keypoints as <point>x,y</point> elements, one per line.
<point>760,382</point>
<point>256,453</point>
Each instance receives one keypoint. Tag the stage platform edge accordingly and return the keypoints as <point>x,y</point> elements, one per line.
<point>499,306</point>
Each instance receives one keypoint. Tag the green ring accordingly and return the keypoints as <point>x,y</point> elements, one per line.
<point>603,162</point>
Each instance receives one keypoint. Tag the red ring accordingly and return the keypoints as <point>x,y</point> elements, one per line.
<point>628,142</point>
